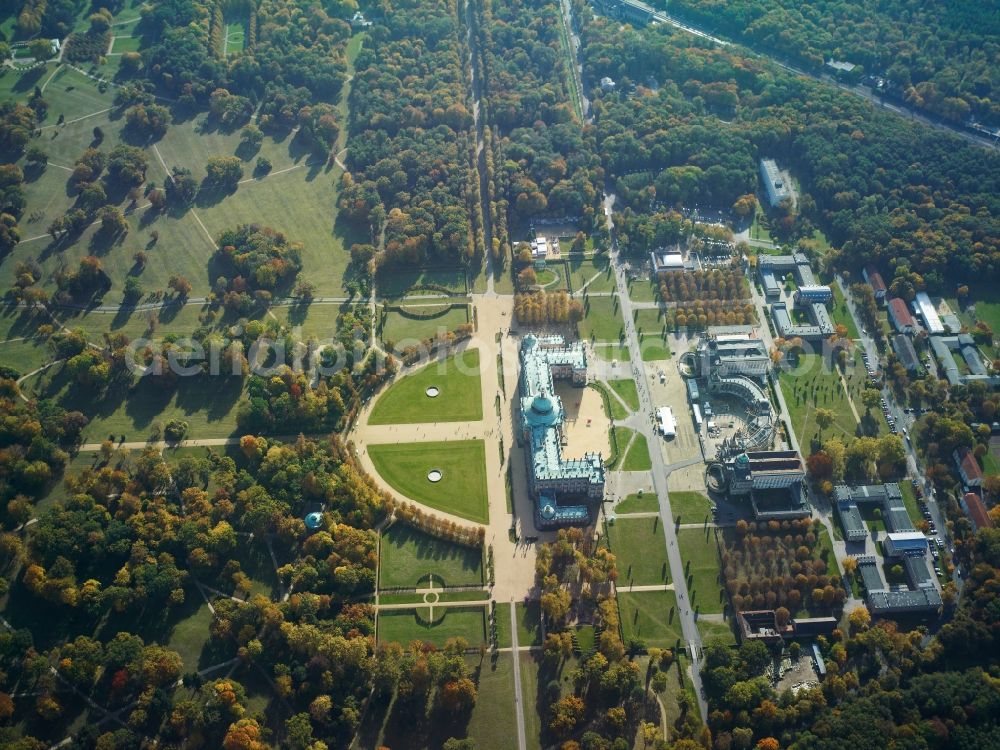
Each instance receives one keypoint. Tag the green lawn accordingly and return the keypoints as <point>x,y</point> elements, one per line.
<point>459,396</point>
<point>826,553</point>
<point>627,391</point>
<point>701,566</point>
<point>619,437</point>
<point>533,719</point>
<point>612,352</point>
<point>593,271</point>
<point>716,632</point>
<point>640,551</point>
<point>643,290</point>
<point>654,349</point>
<point>648,502</point>
<point>690,507</point>
<point>618,411</point>
<point>637,458</point>
<point>126,44</point>
<point>442,596</point>
<point>811,386</point>
<point>489,724</point>
<point>502,615</point>
<point>402,330</point>
<point>406,625</point>
<point>840,314</point>
<point>190,635</point>
<point>650,616</point>
<point>397,282</point>
<point>462,463</point>
<point>408,556</point>
<point>529,624</point>
<point>235,37</point>
<point>602,320</point>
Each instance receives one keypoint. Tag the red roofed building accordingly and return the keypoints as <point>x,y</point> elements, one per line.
<point>968,468</point>
<point>900,316</point>
<point>875,281</point>
<point>976,511</point>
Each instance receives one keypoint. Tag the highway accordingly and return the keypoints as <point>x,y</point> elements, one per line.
<point>858,90</point>
<point>689,625</point>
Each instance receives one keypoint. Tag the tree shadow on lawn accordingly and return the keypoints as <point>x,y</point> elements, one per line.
<point>408,726</point>
<point>213,395</point>
<point>428,548</point>
<point>26,323</point>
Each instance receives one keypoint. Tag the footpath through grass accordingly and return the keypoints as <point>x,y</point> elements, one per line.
<point>627,391</point>
<point>459,393</point>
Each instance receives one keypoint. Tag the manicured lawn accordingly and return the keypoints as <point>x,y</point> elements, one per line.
<point>602,319</point>
<point>406,625</point>
<point>529,623</point>
<point>595,272</point>
<point>716,632</point>
<point>618,410</point>
<point>442,596</point>
<point>640,551</point>
<point>627,391</point>
<point>701,566</point>
<point>826,553</point>
<point>612,352</point>
<point>408,556</point>
<point>395,283</point>
<point>840,314</point>
<point>530,668</point>
<point>25,356</point>
<point>490,720</point>
<point>459,396</point>
<point>235,37</point>
<point>637,458</point>
<point>190,635</point>
<point>650,616</point>
<point>643,290</point>
<point>619,437</point>
<point>689,507</point>
<point>403,330</point>
<point>126,44</point>
<point>648,322</point>
<point>811,386</point>
<point>647,502</point>
<point>73,95</point>
<point>654,349</point>
<point>502,615</point>
<point>206,403</point>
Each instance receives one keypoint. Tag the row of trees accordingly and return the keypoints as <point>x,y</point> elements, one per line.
<point>547,307</point>
<point>714,284</point>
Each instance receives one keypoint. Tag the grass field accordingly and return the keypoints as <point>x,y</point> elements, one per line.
<point>502,615</point>
<point>602,320</point>
<point>654,349</point>
<point>619,438</point>
<point>643,290</point>
<point>701,566</point>
<point>462,463</point>
<point>650,616</point>
<point>402,330</point>
<point>459,398</point>
<point>618,410</point>
<point>397,282</point>
<point>235,37</point>
<point>594,272</point>
<point>690,507</point>
<point>529,623</point>
<point>637,458</point>
<point>640,551</point>
<point>406,625</point>
<point>648,502</point>
<point>190,635</point>
<point>612,352</point>
<point>814,386</point>
<point>627,391</point>
<point>207,404</point>
<point>716,632</point>
<point>125,44</point>
<point>490,720</point>
<point>840,314</point>
<point>408,556</point>
<point>648,322</point>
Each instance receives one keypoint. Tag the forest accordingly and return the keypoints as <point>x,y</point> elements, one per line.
<point>885,191</point>
<point>411,133</point>
<point>942,57</point>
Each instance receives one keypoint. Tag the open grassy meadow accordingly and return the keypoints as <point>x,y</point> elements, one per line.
<point>459,396</point>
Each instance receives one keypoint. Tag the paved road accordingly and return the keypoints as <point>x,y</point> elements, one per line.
<point>522,740</point>
<point>858,90</point>
<point>689,627</point>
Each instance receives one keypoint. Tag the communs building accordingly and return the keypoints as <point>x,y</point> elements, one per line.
<point>921,597</point>
<point>563,490</point>
<point>811,297</point>
<point>928,313</point>
<point>887,497</point>
<point>948,348</point>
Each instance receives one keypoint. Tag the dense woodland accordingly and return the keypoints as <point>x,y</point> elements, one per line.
<point>411,138</point>
<point>899,194</point>
<point>943,57</point>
